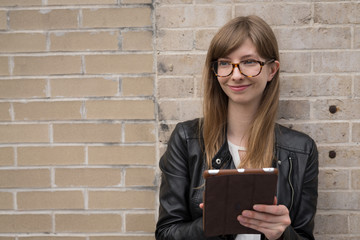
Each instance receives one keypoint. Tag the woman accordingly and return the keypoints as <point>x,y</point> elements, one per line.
<point>238,130</point>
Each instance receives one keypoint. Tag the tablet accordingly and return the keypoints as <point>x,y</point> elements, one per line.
<point>228,192</point>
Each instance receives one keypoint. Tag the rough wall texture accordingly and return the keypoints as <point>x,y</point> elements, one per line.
<point>90,91</point>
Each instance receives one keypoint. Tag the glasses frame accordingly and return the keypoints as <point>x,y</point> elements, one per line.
<point>238,66</point>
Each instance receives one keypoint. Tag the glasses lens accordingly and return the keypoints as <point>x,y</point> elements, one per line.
<point>250,68</point>
<point>222,68</point>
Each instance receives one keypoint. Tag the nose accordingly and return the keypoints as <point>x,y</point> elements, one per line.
<point>236,75</point>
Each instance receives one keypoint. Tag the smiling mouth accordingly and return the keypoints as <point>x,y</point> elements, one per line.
<point>239,88</point>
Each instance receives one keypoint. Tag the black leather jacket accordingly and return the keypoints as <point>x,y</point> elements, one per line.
<point>182,166</point>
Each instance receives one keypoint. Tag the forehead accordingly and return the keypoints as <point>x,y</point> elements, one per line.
<point>246,49</point>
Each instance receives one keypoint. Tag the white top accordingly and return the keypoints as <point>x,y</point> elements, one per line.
<point>234,151</point>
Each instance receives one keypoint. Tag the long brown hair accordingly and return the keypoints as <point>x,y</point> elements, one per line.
<point>261,139</point>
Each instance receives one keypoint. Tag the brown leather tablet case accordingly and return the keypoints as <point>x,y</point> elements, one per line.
<point>229,192</point>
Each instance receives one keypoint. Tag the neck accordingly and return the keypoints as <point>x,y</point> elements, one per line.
<point>239,120</point>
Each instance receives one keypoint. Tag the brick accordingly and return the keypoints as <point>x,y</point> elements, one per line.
<point>354,219</point>
<point>121,238</point>
<point>357,37</point>
<point>355,179</point>
<point>190,16</point>
<point>288,59</point>
<point>124,63</point>
<point>312,86</point>
<point>43,19</point>
<point>5,111</point>
<point>188,64</point>
<point>122,109</point>
<point>7,156</point>
<point>66,110</point>
<point>89,177</point>
<point>277,13</point>
<point>313,38</point>
<point>116,17</point>
<point>140,177</point>
<point>294,109</point>
<point>23,88</point>
<point>80,2</point>
<point>121,199</point>
<point>348,156</point>
<point>165,130</point>
<point>139,132</point>
<point>140,86</point>
<point>89,223</point>
<point>140,223</point>
<point>357,86</point>
<point>173,1</point>
<point>24,133</point>
<point>25,223</point>
<point>180,110</point>
<point>47,65</point>
<point>6,201</point>
<point>340,200</point>
<point>7,238</point>
<point>20,3</point>
<point>326,132</point>
<point>333,179</point>
<point>25,178</point>
<point>325,223</point>
<point>4,66</point>
<point>203,38</point>
<point>50,156</point>
<point>83,87</point>
<point>346,109</point>
<point>22,42</point>
<point>175,40</point>
<point>84,41</point>
<point>356,132</point>
<point>176,87</point>
<point>87,132</point>
<point>336,13</point>
<point>51,238</point>
<point>136,1</point>
<point>137,40</point>
<point>342,61</point>
<point>121,155</point>
<point>50,200</point>
<point>334,237</point>
<point>3,20</point>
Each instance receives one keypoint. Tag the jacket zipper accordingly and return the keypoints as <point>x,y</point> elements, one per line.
<point>290,183</point>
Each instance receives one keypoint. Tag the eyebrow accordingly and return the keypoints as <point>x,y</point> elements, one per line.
<point>254,56</point>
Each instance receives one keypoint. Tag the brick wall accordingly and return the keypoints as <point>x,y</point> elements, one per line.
<point>90,91</point>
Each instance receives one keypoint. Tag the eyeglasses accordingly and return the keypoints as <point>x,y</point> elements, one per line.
<point>248,68</point>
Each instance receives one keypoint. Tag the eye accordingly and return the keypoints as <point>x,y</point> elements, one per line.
<point>223,63</point>
<point>249,62</point>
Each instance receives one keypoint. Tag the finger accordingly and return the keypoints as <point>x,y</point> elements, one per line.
<point>256,217</point>
<point>201,205</point>
<point>275,200</point>
<point>272,209</point>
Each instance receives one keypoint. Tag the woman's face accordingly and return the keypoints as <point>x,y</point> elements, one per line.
<point>246,90</point>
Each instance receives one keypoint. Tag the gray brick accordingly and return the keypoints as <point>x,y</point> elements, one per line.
<point>277,13</point>
<point>342,61</point>
<point>314,38</point>
<point>313,86</point>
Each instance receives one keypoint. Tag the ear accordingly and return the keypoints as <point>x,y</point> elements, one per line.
<point>274,67</point>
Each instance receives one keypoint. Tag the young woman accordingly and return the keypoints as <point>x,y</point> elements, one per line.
<point>238,130</point>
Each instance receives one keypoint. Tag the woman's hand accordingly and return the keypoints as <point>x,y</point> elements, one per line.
<point>271,220</point>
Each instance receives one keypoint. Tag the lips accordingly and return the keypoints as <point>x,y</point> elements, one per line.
<point>239,88</point>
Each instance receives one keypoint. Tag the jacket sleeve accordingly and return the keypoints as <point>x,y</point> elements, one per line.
<point>302,225</point>
<point>175,221</point>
